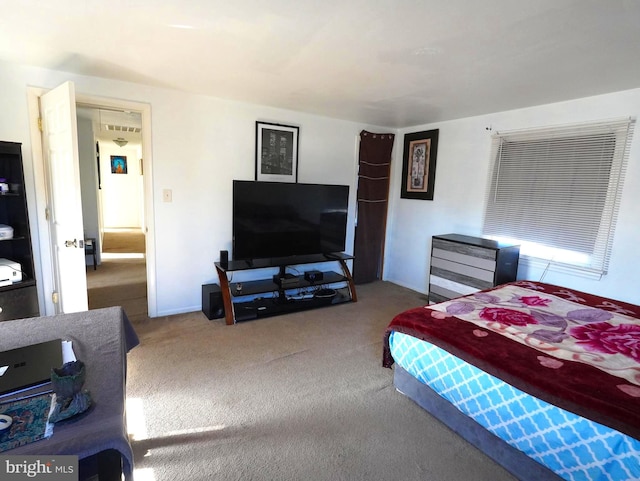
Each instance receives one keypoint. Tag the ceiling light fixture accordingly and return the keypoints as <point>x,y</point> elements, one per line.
<point>121,142</point>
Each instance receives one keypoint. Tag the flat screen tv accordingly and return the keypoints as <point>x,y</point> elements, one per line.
<point>278,219</point>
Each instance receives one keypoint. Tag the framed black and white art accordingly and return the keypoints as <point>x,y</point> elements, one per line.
<point>276,152</point>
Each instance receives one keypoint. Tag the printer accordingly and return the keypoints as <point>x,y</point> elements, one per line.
<point>10,272</point>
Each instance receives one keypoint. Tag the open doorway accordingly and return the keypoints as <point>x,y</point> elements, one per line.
<point>110,150</point>
<point>72,286</point>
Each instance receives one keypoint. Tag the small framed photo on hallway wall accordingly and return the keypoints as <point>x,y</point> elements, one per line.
<point>118,164</point>
<point>419,165</point>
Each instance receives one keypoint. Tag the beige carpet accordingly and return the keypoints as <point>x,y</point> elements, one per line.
<point>300,396</point>
<point>120,282</point>
<point>124,241</point>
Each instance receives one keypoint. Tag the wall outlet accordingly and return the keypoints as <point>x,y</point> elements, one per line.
<point>166,195</point>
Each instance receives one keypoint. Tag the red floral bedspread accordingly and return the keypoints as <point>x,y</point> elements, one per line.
<point>578,351</point>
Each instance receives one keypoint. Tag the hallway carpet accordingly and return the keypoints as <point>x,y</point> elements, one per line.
<point>124,241</point>
<point>120,281</point>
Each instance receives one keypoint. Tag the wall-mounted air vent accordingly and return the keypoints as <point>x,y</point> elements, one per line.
<point>121,128</point>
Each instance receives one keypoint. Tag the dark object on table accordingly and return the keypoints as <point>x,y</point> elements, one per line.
<point>67,382</point>
<point>325,293</point>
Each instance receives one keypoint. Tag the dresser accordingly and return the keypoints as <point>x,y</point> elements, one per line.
<point>462,265</point>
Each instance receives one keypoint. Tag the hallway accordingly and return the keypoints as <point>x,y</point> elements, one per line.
<point>120,279</point>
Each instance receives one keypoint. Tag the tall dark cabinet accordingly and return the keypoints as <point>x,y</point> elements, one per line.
<point>18,293</point>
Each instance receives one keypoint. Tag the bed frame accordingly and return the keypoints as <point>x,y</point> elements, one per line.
<point>510,458</point>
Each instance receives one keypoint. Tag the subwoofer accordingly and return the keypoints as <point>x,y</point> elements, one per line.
<point>212,304</point>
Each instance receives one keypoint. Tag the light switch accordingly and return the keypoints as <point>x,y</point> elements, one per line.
<point>166,195</point>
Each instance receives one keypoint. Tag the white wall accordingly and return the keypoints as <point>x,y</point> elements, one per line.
<point>463,164</point>
<point>88,182</point>
<point>121,193</point>
<point>199,145</point>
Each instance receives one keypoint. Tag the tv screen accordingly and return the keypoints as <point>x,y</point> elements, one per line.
<point>278,219</point>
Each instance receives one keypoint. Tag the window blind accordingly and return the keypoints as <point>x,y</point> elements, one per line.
<point>557,191</point>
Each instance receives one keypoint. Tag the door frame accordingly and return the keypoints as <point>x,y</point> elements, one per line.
<point>45,286</point>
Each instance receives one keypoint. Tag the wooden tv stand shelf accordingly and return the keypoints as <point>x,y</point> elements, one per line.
<point>244,301</point>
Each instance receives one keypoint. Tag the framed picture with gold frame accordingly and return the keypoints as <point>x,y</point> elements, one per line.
<point>419,165</point>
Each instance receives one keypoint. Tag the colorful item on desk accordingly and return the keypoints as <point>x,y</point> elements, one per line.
<point>70,399</point>
<point>29,421</point>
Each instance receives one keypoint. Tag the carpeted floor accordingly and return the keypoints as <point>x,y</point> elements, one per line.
<point>120,281</point>
<point>300,396</point>
<point>123,241</point>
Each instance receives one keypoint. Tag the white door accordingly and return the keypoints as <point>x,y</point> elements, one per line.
<point>60,150</point>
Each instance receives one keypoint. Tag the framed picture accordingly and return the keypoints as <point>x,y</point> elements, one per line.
<point>276,152</point>
<point>118,164</point>
<point>419,165</point>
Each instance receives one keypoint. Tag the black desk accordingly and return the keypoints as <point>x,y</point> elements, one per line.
<point>90,250</point>
<point>101,338</point>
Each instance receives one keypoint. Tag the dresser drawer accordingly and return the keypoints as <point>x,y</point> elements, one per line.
<point>463,269</point>
<point>464,252</point>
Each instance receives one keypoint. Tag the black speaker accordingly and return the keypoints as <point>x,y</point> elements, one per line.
<point>212,305</point>
<point>224,259</point>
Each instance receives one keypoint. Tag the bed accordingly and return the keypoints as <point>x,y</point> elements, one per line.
<point>543,379</point>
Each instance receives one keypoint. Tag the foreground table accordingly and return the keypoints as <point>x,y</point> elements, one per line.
<point>101,339</point>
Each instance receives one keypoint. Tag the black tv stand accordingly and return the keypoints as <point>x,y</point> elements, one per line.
<point>270,296</point>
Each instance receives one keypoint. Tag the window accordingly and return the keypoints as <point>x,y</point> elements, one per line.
<point>557,190</point>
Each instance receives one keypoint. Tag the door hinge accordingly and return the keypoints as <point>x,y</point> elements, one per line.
<point>46,213</point>
<point>40,123</point>
<point>54,297</point>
